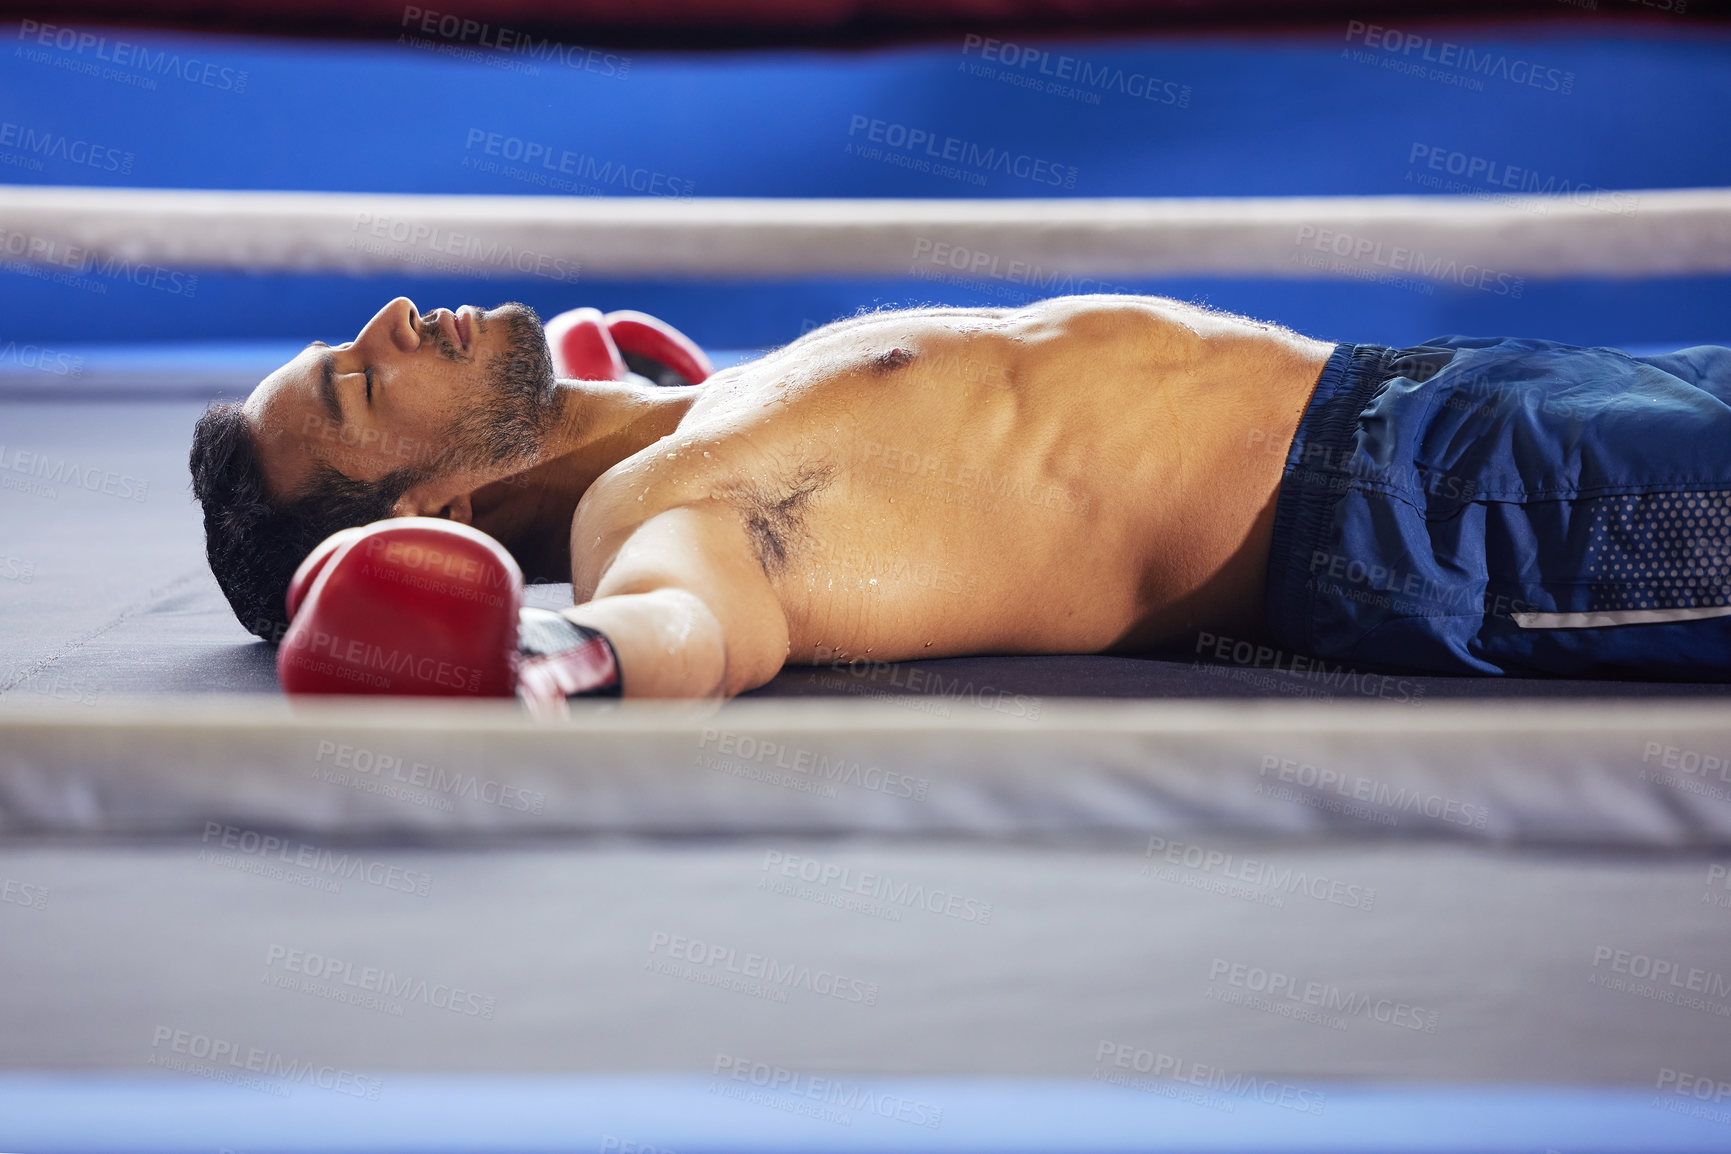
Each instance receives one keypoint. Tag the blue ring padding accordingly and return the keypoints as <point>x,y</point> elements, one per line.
<point>1312,112</point>
<point>423,1114</point>
<point>1557,105</point>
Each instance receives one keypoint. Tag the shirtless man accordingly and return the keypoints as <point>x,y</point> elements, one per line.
<point>1083,475</point>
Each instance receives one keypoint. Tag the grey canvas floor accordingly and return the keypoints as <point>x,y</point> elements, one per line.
<point>105,942</point>
<point>1440,963</point>
<point>106,593</point>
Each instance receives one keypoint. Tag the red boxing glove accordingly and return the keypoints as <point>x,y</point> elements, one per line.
<point>655,349</point>
<point>314,565</point>
<point>427,607</point>
<point>587,346</point>
<point>582,348</point>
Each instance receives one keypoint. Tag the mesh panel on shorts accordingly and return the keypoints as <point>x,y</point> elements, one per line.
<point>1660,551</point>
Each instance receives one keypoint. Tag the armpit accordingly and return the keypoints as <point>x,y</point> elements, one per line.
<point>774,512</point>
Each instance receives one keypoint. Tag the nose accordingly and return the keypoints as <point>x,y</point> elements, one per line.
<point>392,326</point>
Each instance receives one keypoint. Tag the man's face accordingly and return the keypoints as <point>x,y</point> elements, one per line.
<point>461,398</point>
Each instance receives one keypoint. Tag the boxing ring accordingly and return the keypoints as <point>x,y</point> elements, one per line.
<point>1207,899</point>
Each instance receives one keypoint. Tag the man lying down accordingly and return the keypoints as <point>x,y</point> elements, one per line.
<point>1102,474</point>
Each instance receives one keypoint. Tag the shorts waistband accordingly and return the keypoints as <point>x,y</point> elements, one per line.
<point>1302,513</point>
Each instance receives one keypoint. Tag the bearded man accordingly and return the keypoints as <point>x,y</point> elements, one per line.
<point>1102,474</point>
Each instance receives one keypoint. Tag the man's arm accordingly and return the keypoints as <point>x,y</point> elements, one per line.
<point>687,607</point>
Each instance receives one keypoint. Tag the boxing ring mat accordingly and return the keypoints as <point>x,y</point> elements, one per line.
<point>853,922</point>
<point>823,925</point>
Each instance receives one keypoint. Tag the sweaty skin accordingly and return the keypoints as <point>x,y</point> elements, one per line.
<point>1075,477</point>
<point>1083,475</point>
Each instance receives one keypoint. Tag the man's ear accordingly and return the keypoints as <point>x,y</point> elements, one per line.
<point>419,503</point>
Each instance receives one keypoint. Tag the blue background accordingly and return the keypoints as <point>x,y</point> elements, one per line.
<point>1266,115</point>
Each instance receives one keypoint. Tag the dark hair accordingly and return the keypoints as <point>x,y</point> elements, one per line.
<point>254,544</point>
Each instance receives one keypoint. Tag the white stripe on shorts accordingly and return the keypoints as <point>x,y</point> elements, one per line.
<point>1611,618</point>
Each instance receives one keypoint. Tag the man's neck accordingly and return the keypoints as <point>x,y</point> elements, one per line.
<point>600,423</point>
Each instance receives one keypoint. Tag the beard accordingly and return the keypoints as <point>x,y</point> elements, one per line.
<point>507,426</point>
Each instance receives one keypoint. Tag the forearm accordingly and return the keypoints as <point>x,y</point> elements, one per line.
<point>668,643</point>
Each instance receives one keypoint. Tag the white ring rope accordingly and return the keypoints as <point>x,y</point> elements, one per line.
<point>1622,234</point>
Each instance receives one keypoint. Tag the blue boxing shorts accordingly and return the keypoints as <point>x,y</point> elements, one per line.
<point>1516,507</point>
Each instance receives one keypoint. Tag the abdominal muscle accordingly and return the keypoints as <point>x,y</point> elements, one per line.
<point>1082,475</point>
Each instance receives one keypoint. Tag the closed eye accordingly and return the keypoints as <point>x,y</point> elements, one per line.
<point>369,384</point>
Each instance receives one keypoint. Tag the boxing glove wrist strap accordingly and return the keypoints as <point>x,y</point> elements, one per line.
<point>559,658</point>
